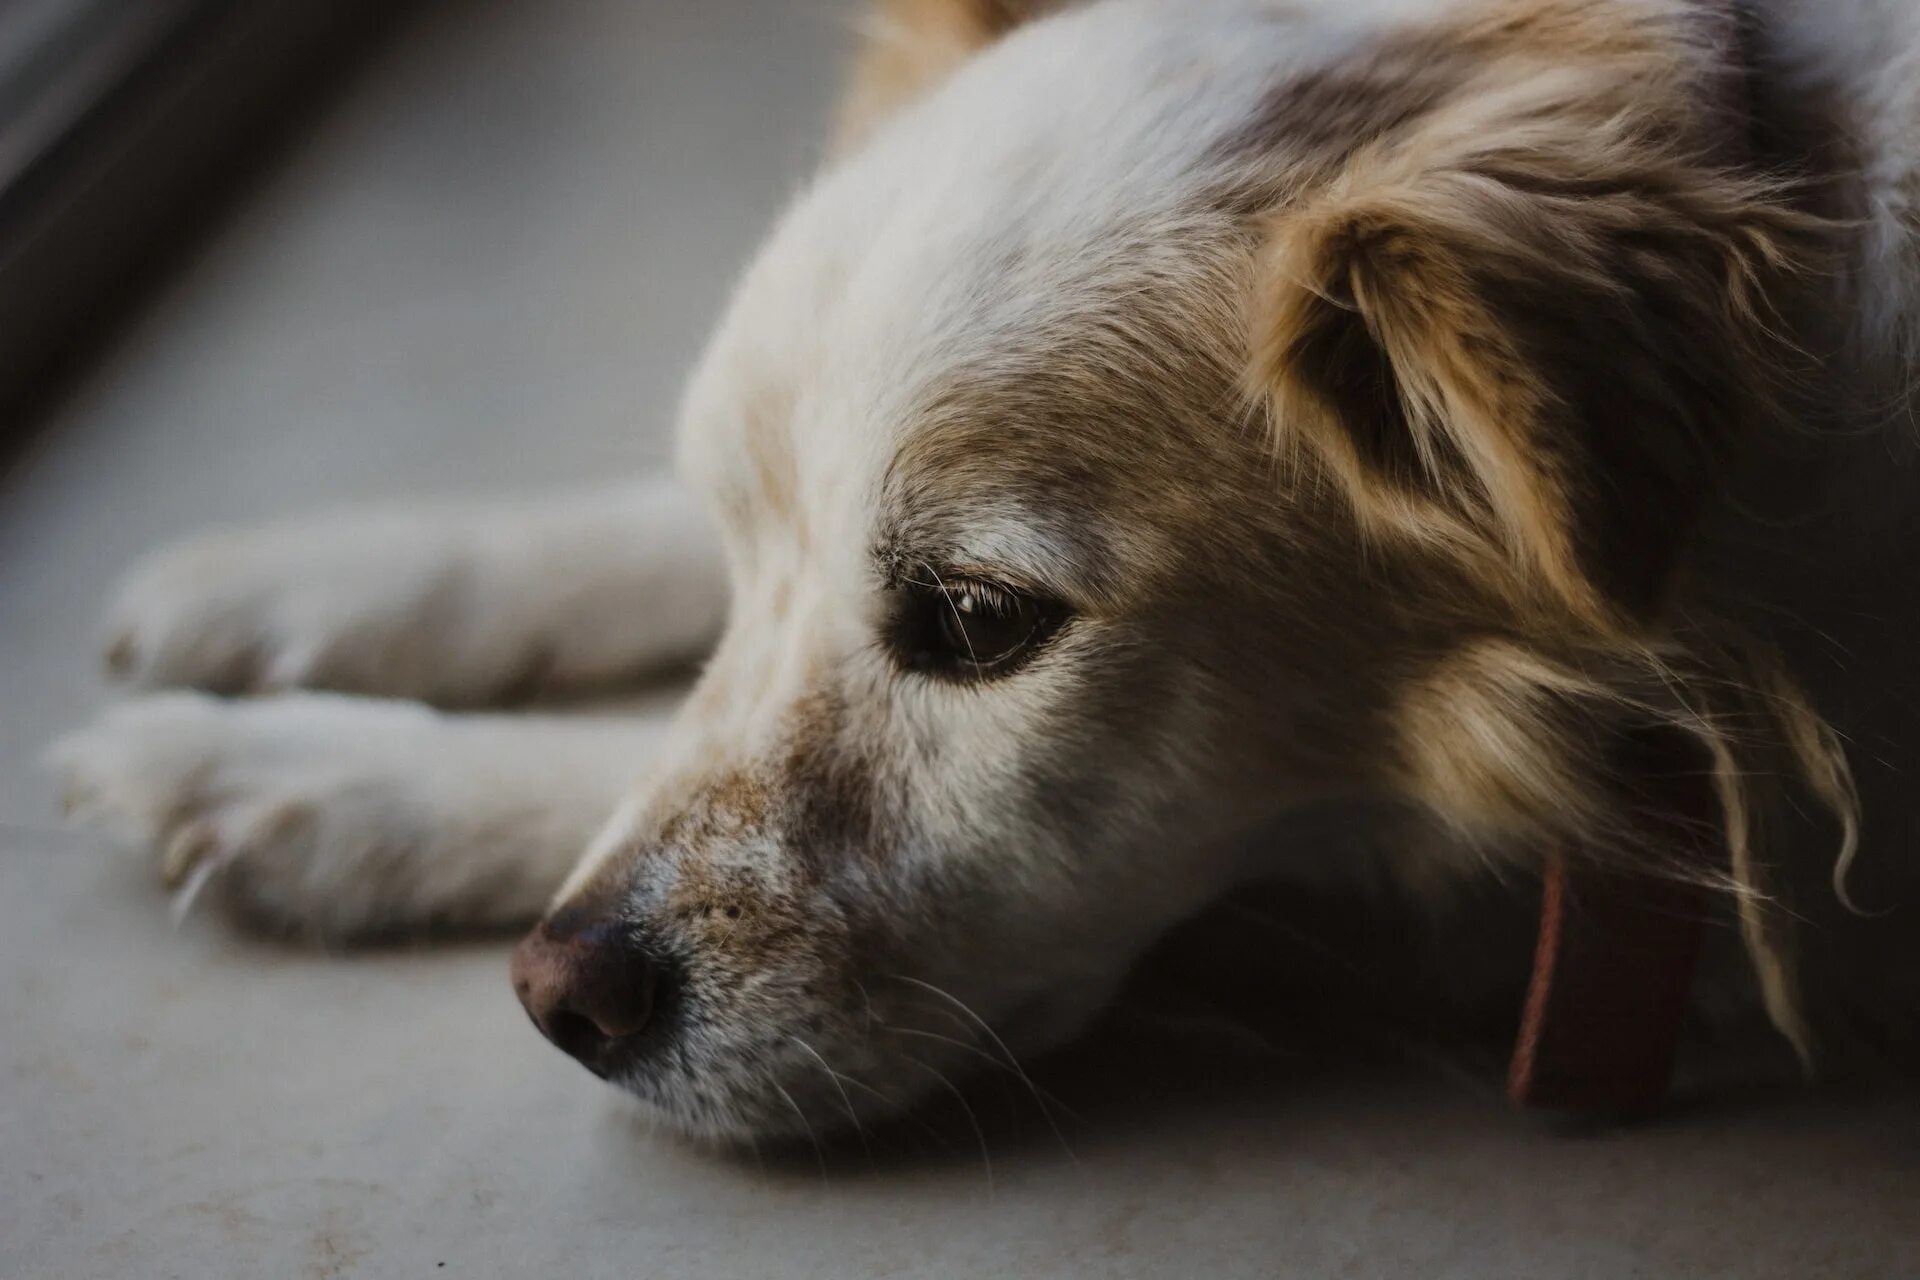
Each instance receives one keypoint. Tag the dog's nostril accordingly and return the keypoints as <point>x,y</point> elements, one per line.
<point>590,991</point>
<point>575,1035</point>
<point>613,989</point>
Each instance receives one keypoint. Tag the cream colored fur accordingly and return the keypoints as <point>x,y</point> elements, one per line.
<point>1024,326</point>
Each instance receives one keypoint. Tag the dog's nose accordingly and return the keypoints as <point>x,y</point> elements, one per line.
<point>591,989</point>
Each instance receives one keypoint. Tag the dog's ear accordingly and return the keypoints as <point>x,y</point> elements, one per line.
<point>908,46</point>
<point>1532,333</point>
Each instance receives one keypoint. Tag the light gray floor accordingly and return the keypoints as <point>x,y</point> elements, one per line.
<point>487,271</point>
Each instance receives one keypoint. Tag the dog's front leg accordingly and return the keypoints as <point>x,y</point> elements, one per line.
<point>341,817</point>
<point>459,604</point>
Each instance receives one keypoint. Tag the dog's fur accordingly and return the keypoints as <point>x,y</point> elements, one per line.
<point>1490,419</point>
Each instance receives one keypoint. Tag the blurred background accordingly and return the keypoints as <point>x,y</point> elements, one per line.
<point>258,256</point>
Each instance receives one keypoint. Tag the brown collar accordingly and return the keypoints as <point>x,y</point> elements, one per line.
<point>1613,967</point>
<point>1612,975</point>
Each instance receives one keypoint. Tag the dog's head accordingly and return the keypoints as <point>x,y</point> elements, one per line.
<point>1175,416</point>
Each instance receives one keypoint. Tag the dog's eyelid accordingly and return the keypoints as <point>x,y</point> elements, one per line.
<point>997,579</point>
<point>900,569</point>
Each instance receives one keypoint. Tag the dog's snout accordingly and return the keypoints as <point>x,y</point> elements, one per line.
<point>592,990</point>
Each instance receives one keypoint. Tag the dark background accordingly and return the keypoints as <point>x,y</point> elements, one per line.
<point>125,127</point>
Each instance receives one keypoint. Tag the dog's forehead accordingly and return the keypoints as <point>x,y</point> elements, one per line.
<point>1051,232</point>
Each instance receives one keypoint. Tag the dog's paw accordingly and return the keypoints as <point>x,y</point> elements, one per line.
<point>354,604</point>
<point>308,813</point>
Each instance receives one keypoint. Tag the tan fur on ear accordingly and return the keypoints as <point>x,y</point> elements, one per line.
<point>1533,323</point>
<point>1524,750</point>
<point>909,46</point>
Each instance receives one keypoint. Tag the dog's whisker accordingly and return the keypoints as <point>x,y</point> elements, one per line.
<point>948,596</point>
<point>986,1158</point>
<point>759,1160</point>
<point>998,1043</point>
<point>845,1099</point>
<point>867,997</point>
<point>896,1109</point>
<point>819,1152</point>
<point>1043,1097</point>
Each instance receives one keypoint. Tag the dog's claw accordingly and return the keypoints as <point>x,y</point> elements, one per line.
<point>122,655</point>
<point>289,669</point>
<point>191,846</point>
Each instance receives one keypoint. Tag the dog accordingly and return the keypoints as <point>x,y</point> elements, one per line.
<point>1489,421</point>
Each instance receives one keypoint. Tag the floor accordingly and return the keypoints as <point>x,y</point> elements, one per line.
<point>486,270</point>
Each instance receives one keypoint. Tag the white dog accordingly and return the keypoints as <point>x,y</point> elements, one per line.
<point>1158,420</point>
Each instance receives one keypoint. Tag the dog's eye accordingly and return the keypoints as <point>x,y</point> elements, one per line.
<point>968,627</point>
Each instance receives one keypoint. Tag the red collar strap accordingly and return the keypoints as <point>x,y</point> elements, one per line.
<point>1612,977</point>
<point>1613,967</point>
